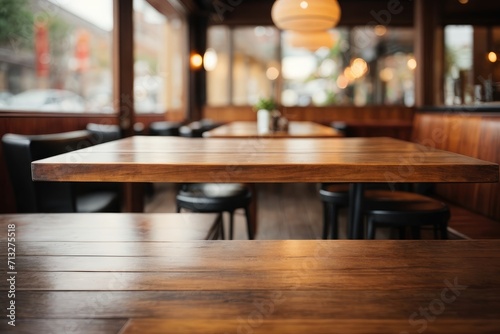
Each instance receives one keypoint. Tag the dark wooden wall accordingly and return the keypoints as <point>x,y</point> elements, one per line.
<point>472,134</point>
<point>369,121</point>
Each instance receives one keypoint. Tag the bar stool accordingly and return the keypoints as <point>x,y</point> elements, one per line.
<point>402,210</point>
<point>396,209</point>
<point>334,197</point>
<point>217,197</point>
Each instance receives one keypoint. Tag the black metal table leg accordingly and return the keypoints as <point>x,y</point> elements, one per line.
<point>355,219</point>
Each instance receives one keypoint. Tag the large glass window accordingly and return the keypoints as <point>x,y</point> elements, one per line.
<point>160,81</point>
<point>55,56</point>
<point>247,64</point>
<point>365,65</point>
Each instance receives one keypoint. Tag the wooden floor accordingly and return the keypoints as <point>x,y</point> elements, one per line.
<point>285,211</point>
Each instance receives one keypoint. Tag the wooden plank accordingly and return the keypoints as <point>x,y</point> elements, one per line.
<point>473,303</point>
<point>73,326</point>
<point>111,227</point>
<point>261,325</point>
<point>253,250</point>
<point>272,286</point>
<point>237,279</point>
<point>171,261</point>
<point>319,265</point>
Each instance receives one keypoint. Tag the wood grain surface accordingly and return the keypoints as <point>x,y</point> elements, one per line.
<point>129,280</point>
<point>172,159</point>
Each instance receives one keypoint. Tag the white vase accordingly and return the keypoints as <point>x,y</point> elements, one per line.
<point>263,120</point>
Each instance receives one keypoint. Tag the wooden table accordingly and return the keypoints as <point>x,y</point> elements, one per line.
<point>133,281</point>
<point>254,160</point>
<point>295,130</point>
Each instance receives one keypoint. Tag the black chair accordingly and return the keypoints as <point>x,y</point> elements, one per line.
<point>213,197</point>
<point>195,129</point>
<point>386,208</point>
<point>402,210</point>
<point>54,197</point>
<point>217,197</point>
<point>103,133</point>
<point>164,128</point>
<point>343,128</point>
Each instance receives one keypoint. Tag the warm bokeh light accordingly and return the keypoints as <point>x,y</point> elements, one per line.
<point>411,63</point>
<point>492,57</point>
<point>359,67</point>
<point>380,30</point>
<point>304,4</point>
<point>386,74</point>
<point>272,73</point>
<point>210,60</point>
<point>348,74</point>
<point>196,61</point>
<point>463,2</point>
<point>342,82</point>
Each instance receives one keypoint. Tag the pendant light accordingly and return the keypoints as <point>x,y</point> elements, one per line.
<point>305,15</point>
<point>311,41</point>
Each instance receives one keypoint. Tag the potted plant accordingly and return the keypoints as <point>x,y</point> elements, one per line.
<point>264,108</point>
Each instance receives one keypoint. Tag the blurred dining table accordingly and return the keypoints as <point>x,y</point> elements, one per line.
<point>266,160</point>
<point>295,130</point>
<point>130,273</point>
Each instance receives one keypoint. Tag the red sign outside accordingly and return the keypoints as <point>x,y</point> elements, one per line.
<point>42,51</point>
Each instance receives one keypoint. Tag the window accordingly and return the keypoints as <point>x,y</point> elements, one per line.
<point>366,65</point>
<point>56,56</point>
<point>160,66</point>
<point>458,64</point>
<point>247,66</point>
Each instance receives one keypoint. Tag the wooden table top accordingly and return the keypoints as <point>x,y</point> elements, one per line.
<point>141,284</point>
<point>176,159</point>
<point>295,130</point>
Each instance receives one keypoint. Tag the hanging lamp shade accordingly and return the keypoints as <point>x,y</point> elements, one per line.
<point>305,15</point>
<point>309,40</point>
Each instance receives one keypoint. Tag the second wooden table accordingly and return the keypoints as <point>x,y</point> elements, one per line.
<point>295,130</point>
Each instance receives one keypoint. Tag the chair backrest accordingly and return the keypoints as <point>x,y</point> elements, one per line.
<point>103,133</point>
<point>21,150</point>
<point>197,128</point>
<point>164,128</point>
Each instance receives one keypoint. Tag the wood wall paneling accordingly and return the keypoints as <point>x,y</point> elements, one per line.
<point>475,135</point>
<point>370,121</point>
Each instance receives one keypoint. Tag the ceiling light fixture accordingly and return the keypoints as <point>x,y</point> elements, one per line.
<point>301,15</point>
<point>311,41</point>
